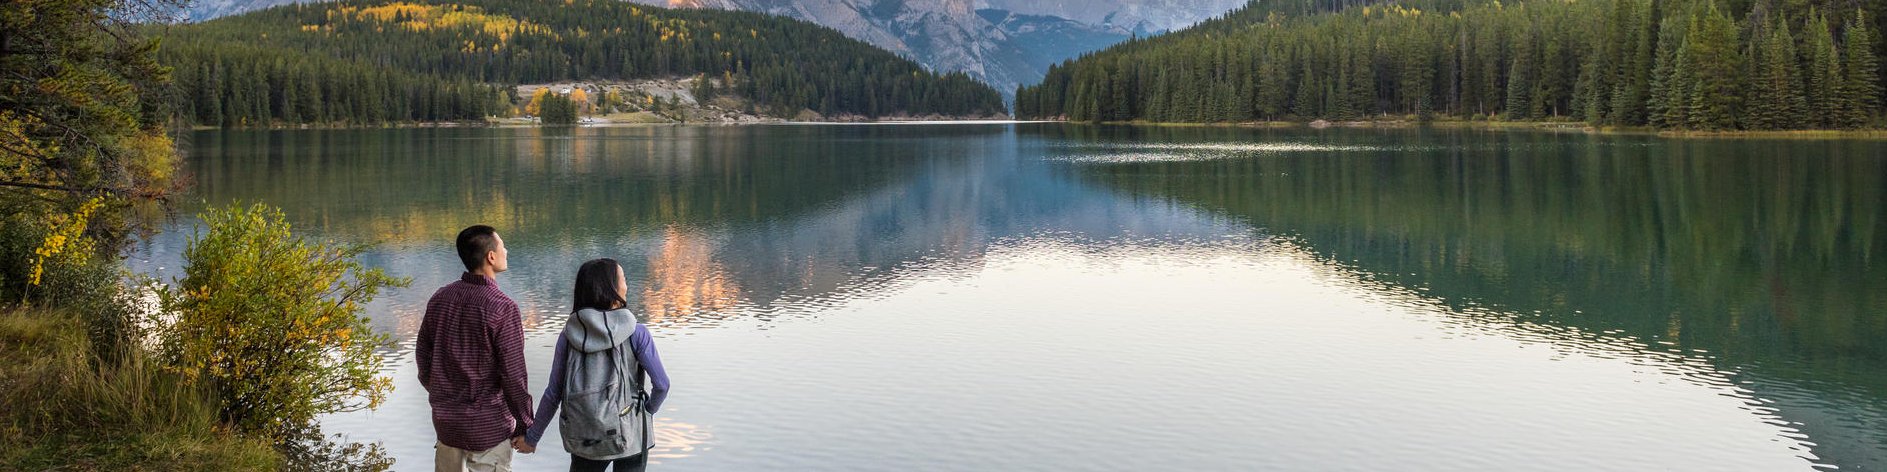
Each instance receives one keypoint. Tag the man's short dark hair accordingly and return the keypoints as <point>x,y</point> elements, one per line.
<point>474,243</point>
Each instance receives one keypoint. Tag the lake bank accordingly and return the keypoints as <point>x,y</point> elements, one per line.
<point>628,120</point>
<point>672,101</point>
<point>1552,126</point>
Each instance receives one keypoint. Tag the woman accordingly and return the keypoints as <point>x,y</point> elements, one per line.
<point>596,378</point>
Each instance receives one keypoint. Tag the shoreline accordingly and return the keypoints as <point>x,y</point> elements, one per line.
<point>1549,126</point>
<point>507,123</point>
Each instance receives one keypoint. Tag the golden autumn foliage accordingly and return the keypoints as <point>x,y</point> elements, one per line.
<point>533,106</point>
<point>415,17</point>
<point>65,242</point>
<point>250,286</point>
<point>82,142</point>
<point>581,99</point>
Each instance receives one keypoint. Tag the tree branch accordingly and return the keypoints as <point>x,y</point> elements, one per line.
<point>84,190</point>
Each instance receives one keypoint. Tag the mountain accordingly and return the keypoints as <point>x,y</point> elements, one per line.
<point>374,61</point>
<point>1143,17</point>
<point>1004,43</point>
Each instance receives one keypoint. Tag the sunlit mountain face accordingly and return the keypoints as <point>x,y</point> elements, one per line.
<point>1004,43</point>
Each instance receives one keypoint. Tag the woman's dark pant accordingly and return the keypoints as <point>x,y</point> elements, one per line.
<point>635,463</point>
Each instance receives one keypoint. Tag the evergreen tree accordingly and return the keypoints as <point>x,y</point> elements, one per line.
<point>1360,98</point>
<point>1274,93</point>
<point>1668,91</point>
<point>1309,94</point>
<point>1861,85</point>
<point>557,109</point>
<point>1588,100</point>
<point>1823,82</point>
<point>1712,65</point>
<point>1521,81</point>
<point>1632,81</point>
<point>371,61</point>
<point>1664,63</point>
<point>1776,99</point>
<point>1554,88</point>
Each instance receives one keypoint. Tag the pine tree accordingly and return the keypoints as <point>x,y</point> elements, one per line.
<point>1776,100</point>
<point>1861,84</point>
<point>1520,80</point>
<point>1665,106</point>
<point>1339,97</point>
<point>1309,94</point>
<point>1713,63</point>
<point>1678,64</point>
<point>1632,83</point>
<point>1361,97</point>
<point>1823,80</point>
<point>1551,98</point>
<point>1587,102</point>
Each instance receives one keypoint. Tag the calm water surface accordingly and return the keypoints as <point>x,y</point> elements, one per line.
<point>1059,297</point>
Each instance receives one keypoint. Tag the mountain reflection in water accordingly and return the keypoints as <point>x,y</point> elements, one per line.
<point>1071,297</point>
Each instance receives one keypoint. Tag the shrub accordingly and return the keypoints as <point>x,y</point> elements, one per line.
<point>271,323</point>
<point>48,258</point>
<point>55,262</point>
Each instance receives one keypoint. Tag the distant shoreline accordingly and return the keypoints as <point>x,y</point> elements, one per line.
<point>508,123</point>
<point>1555,126</point>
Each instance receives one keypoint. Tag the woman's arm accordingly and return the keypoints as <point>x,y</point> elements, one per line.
<point>652,365</point>
<point>553,395</point>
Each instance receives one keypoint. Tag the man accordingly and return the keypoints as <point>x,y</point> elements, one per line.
<point>471,361</point>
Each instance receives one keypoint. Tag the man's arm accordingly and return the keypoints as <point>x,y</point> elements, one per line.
<point>507,335</point>
<point>422,347</point>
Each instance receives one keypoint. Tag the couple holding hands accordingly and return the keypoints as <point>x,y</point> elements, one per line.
<point>470,353</point>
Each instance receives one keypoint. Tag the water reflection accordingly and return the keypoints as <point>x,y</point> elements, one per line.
<point>839,298</point>
<point>684,279</point>
<point>1751,256</point>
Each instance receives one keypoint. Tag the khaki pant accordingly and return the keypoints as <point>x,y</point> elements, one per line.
<point>451,459</point>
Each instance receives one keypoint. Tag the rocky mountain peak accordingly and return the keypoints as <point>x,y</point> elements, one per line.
<point>1002,42</point>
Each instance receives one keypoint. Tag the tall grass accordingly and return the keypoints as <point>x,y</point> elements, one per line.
<point>66,410</point>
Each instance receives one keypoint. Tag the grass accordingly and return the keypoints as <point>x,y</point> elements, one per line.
<point>66,411</point>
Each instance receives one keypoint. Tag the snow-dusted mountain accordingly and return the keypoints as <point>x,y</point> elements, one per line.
<point>1002,42</point>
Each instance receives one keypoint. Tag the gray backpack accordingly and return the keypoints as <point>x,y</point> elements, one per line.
<point>602,415</point>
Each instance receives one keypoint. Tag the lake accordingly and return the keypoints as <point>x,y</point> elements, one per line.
<point>1069,297</point>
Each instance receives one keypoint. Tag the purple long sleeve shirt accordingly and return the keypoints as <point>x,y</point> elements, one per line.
<point>470,353</point>
<point>648,362</point>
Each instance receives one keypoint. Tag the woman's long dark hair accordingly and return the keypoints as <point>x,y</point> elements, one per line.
<point>596,286</point>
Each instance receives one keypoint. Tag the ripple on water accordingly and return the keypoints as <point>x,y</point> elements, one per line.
<point>1150,153</point>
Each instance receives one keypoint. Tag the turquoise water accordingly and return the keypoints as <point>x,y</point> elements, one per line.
<point>1065,297</point>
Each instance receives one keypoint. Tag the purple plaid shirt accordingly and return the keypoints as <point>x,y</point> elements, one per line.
<point>471,361</point>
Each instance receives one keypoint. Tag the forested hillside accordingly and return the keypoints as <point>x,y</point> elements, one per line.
<point>366,62</point>
<point>1670,64</point>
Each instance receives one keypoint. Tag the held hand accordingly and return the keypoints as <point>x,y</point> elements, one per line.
<point>522,446</point>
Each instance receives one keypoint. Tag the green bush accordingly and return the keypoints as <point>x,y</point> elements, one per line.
<point>48,260</point>
<point>271,323</point>
<point>54,262</point>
